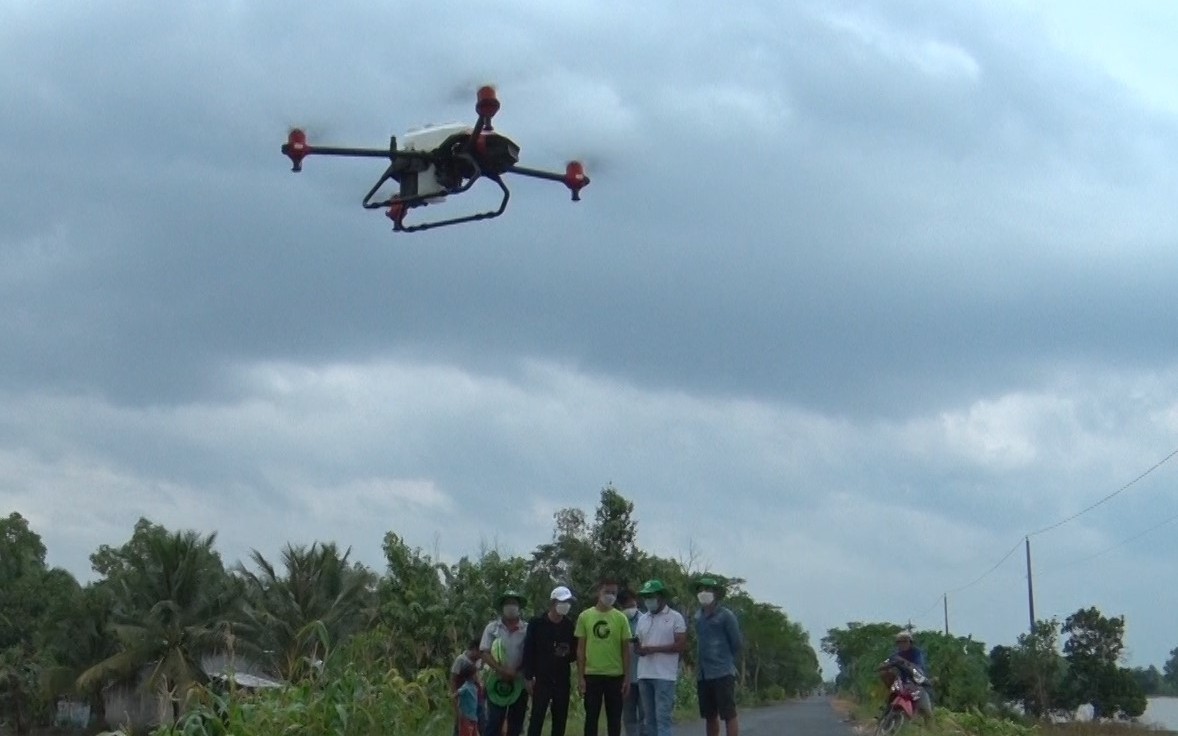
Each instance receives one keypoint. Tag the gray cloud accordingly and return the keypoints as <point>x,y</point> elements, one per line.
<point>830,264</point>
<point>857,172</point>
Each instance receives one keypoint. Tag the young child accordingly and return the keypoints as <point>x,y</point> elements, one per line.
<point>468,703</point>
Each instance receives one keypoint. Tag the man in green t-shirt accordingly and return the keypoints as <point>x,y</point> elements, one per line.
<point>603,659</point>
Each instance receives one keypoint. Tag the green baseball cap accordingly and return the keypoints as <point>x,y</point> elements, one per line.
<point>653,587</point>
<point>510,595</point>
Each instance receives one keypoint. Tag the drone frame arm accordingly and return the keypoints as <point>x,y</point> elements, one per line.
<point>574,177</point>
<point>296,149</point>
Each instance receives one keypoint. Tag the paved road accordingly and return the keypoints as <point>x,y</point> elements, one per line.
<point>809,717</point>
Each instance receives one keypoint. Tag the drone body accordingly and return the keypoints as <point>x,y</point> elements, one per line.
<point>434,162</point>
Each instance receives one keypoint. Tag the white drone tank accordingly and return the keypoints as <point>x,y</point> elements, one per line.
<point>427,138</point>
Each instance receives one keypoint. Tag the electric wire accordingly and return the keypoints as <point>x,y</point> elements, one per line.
<point>1067,519</point>
<point>1109,497</point>
<point>935,604</point>
<point>987,573</point>
<point>1123,542</point>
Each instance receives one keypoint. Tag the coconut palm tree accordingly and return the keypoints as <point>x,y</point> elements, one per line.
<point>174,606</point>
<point>295,617</point>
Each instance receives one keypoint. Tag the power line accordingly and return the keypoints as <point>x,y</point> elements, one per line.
<point>1127,540</point>
<point>1110,496</point>
<point>936,603</point>
<point>987,573</point>
<point>1026,538</point>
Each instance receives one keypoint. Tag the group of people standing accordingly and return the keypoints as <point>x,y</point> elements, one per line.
<point>628,662</point>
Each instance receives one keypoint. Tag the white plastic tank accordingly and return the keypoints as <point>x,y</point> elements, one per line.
<point>427,138</point>
<point>430,137</point>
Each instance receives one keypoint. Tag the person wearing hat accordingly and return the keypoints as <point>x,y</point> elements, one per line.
<point>718,644</point>
<point>502,647</point>
<point>603,659</point>
<point>908,651</point>
<point>549,651</point>
<point>662,638</point>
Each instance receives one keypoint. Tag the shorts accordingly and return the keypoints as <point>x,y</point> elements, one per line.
<point>717,698</point>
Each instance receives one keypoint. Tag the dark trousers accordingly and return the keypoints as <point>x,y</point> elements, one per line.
<point>513,714</point>
<point>603,689</point>
<point>545,695</point>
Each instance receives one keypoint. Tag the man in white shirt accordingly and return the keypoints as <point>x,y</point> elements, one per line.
<point>662,636</point>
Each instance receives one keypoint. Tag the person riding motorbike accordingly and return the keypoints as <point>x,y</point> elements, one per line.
<point>907,659</point>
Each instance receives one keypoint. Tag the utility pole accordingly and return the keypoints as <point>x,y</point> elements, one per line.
<point>945,598</point>
<point>1030,586</point>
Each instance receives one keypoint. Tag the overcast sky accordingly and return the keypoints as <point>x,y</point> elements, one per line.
<point>860,293</point>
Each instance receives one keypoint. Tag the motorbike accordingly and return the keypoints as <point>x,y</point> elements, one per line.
<point>903,695</point>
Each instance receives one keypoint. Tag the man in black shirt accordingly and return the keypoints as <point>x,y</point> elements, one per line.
<point>549,651</point>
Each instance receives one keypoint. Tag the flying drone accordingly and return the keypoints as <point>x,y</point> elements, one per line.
<point>441,160</point>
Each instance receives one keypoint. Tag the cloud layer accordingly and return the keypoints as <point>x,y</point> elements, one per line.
<point>856,299</point>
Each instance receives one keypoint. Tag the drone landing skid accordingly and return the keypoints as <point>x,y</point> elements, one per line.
<point>440,162</point>
<point>464,171</point>
<point>398,207</point>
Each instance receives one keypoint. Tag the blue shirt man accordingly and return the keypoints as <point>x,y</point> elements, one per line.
<point>909,652</point>
<point>718,643</point>
<point>906,650</point>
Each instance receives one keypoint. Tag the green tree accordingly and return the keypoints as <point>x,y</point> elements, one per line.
<point>21,695</point>
<point>472,589</point>
<point>294,617</point>
<point>172,605</point>
<point>1001,673</point>
<point>777,658</point>
<point>1093,651</point>
<point>959,668</point>
<point>32,597</point>
<point>568,558</point>
<point>580,552</point>
<point>614,539</point>
<point>1170,669</point>
<point>1149,679</point>
<point>1031,672</point>
<point>79,634</point>
<point>22,577</point>
<point>858,649</point>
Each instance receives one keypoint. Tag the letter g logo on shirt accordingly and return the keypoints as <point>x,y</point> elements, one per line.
<point>601,629</point>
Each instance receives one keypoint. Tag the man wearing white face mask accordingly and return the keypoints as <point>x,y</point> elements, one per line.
<point>662,637</point>
<point>719,643</point>
<point>549,651</point>
<point>502,647</point>
<point>603,657</point>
